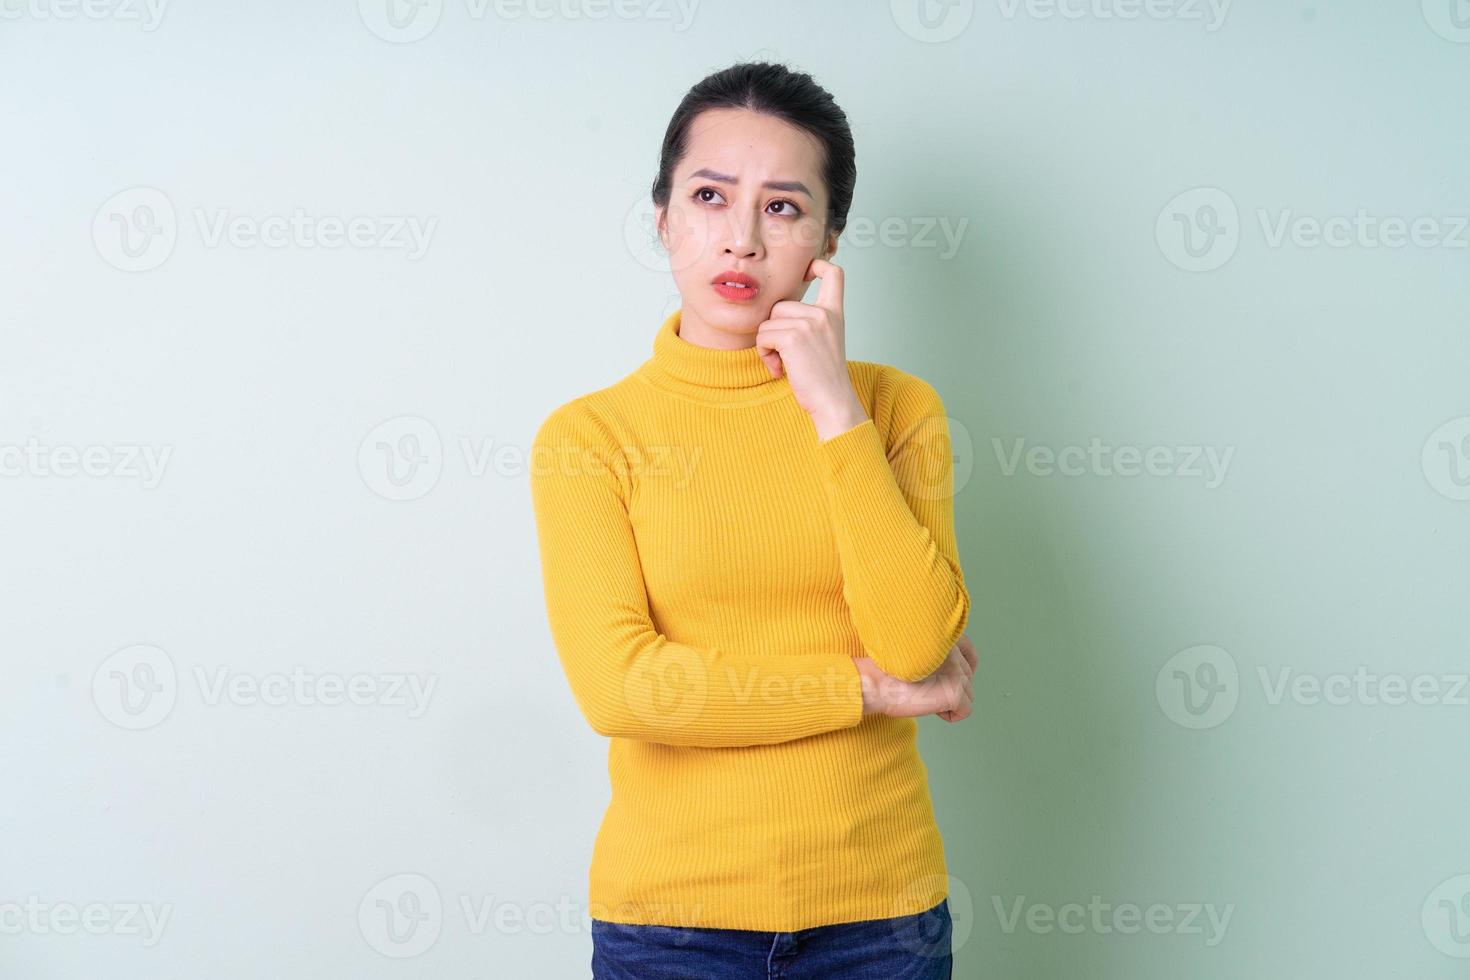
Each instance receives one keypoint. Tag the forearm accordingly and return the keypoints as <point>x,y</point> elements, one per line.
<point>660,691</point>
<point>903,585</point>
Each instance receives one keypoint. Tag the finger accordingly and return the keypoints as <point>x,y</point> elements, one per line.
<point>792,309</point>
<point>770,336</point>
<point>829,294</point>
<point>963,662</point>
<point>775,334</point>
<point>967,653</point>
<point>782,324</point>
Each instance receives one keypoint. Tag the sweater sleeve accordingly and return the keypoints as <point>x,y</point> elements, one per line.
<point>628,679</point>
<point>892,512</point>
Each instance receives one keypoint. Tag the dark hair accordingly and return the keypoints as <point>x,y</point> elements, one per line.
<point>778,91</point>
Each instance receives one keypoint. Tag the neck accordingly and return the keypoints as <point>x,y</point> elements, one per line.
<point>695,330</point>
<point>731,375</point>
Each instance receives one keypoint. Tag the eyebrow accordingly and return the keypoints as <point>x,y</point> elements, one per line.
<point>775,185</point>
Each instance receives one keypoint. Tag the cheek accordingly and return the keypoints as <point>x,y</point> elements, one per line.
<point>688,236</point>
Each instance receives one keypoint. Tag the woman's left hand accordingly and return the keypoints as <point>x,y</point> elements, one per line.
<point>806,342</point>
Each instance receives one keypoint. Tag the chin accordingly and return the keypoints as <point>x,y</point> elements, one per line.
<point>735,319</point>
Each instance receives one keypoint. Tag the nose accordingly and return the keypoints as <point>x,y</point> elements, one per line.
<point>743,237</point>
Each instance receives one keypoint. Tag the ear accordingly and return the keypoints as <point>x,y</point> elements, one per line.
<point>830,248</point>
<point>660,217</point>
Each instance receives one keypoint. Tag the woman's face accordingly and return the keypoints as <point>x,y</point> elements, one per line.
<point>748,197</point>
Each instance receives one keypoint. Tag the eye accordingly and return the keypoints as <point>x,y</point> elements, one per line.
<point>792,211</point>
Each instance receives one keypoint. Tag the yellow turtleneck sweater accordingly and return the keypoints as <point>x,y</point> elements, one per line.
<point>711,568</point>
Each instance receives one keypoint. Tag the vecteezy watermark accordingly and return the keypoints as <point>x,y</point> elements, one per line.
<point>1446,916</point>
<point>147,13</point>
<point>122,461</point>
<point>137,229</point>
<point>1199,687</point>
<point>137,687</point>
<point>403,915</point>
<point>33,917</point>
<point>1200,229</point>
<point>896,232</point>
<point>1364,687</point>
<point>1450,19</point>
<point>1209,12</point>
<point>402,458</point>
<point>406,21</point>
<point>1103,918</point>
<point>1445,459</point>
<point>932,21</point>
<point>1363,230</point>
<point>1097,459</point>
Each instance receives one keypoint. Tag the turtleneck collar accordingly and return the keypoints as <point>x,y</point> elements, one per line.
<point>708,373</point>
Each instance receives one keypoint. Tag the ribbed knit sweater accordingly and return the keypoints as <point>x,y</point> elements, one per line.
<point>710,569</point>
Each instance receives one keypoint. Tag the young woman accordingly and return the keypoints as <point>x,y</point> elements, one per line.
<point>753,584</point>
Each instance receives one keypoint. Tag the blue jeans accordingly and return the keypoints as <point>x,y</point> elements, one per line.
<point>909,947</point>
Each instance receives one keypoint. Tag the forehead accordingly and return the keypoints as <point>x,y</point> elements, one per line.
<point>738,141</point>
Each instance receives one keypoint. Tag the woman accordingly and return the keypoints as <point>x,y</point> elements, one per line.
<point>753,584</point>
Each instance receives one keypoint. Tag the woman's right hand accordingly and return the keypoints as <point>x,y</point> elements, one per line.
<point>947,692</point>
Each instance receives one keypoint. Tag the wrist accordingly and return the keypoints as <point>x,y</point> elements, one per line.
<point>869,686</point>
<point>835,421</point>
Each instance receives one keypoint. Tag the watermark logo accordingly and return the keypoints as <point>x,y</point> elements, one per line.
<point>34,917</point>
<point>123,461</point>
<point>400,21</point>
<point>640,236</point>
<point>1363,230</point>
<point>401,916</point>
<point>934,459</point>
<point>1450,19</point>
<point>401,458</point>
<point>1198,687</point>
<point>1446,916</point>
<point>406,21</point>
<point>932,21</point>
<point>1209,12</point>
<point>135,687</point>
<point>1364,687</point>
<point>1200,462</point>
<point>920,233</point>
<point>1199,229</point>
<point>1445,459</point>
<point>135,229</point>
<point>668,688</point>
<point>1102,918</point>
<point>147,13</point>
<point>928,936</point>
